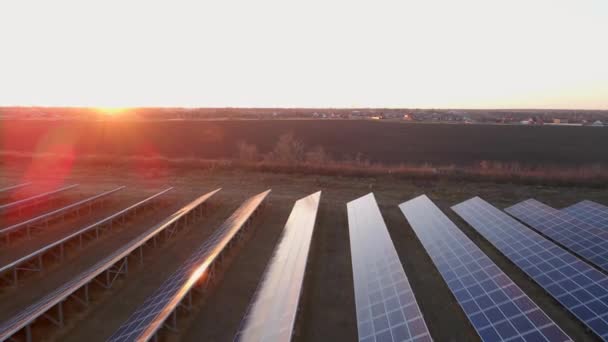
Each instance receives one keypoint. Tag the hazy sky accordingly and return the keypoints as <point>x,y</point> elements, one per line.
<point>312,53</point>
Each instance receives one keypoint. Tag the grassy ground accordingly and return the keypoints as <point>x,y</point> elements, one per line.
<point>328,310</point>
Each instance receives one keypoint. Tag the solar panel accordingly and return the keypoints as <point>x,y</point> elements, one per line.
<point>14,266</point>
<point>74,207</point>
<point>496,307</point>
<point>26,317</point>
<point>589,212</point>
<point>152,314</point>
<point>272,314</point>
<point>14,187</point>
<point>34,199</point>
<point>386,307</point>
<point>590,242</point>
<point>579,287</point>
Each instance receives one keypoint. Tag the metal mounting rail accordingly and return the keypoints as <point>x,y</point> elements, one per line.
<point>160,309</point>
<point>108,268</point>
<point>31,201</point>
<point>44,219</point>
<point>34,260</point>
<point>14,187</point>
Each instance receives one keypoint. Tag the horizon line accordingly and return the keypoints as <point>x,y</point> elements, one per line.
<point>126,108</point>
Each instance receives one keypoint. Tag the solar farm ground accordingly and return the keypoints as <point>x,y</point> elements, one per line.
<point>327,310</point>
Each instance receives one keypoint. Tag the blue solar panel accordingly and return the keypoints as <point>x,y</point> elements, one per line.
<point>579,287</point>
<point>387,310</point>
<point>496,307</point>
<point>589,212</point>
<point>590,242</point>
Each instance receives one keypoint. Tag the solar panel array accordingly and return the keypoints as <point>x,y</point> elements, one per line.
<point>14,187</point>
<point>151,315</point>
<point>34,199</point>
<point>589,212</point>
<point>272,314</point>
<point>39,308</point>
<point>588,241</point>
<point>58,212</point>
<point>579,287</point>
<point>386,307</point>
<point>496,307</point>
<point>98,224</point>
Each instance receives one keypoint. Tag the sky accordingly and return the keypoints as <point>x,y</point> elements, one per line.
<point>313,53</point>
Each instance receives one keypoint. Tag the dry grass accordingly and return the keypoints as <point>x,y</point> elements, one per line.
<point>487,171</point>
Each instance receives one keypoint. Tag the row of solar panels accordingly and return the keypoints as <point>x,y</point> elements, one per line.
<point>276,300</point>
<point>386,306</point>
<point>496,307</point>
<point>33,200</point>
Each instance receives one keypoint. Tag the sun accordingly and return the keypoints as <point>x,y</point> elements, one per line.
<point>111,111</point>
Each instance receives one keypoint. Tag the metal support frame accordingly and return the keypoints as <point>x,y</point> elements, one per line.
<point>111,274</point>
<point>59,320</point>
<point>46,221</point>
<point>107,279</point>
<point>59,251</point>
<point>202,285</point>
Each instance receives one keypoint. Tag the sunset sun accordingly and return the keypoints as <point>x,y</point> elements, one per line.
<point>111,111</point>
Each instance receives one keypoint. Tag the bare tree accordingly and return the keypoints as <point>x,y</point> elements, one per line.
<point>247,152</point>
<point>317,156</point>
<point>288,149</point>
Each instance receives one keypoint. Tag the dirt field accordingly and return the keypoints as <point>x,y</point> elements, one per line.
<point>327,310</point>
<point>384,142</point>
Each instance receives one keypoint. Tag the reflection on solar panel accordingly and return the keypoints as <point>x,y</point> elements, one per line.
<point>580,288</point>
<point>112,266</point>
<point>152,314</point>
<point>495,305</point>
<point>589,212</point>
<point>589,242</point>
<point>272,314</point>
<point>386,307</point>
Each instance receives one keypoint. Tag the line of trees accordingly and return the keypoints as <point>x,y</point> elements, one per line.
<point>288,149</point>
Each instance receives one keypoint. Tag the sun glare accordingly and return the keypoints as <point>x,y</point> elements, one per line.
<point>111,111</point>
